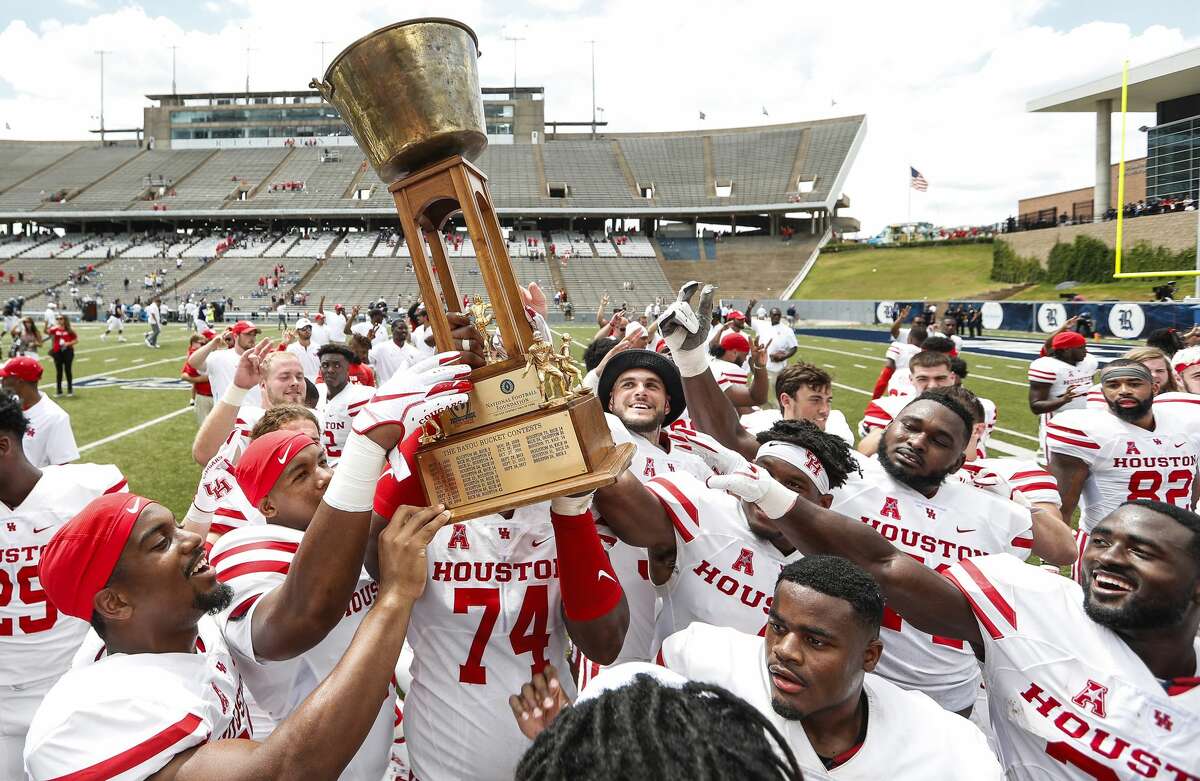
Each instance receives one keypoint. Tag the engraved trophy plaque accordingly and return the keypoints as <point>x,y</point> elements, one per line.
<point>410,94</point>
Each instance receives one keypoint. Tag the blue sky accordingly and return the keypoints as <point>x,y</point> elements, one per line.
<point>943,82</point>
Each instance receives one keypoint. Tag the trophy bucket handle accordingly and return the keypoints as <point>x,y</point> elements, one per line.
<point>324,87</point>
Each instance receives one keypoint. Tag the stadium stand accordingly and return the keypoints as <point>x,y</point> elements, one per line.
<point>21,159</point>
<point>633,281</point>
<point>315,245</point>
<point>220,178</point>
<point>252,245</point>
<point>20,245</point>
<point>674,165</point>
<point>161,168</point>
<point>205,248</point>
<point>774,263</point>
<point>64,178</point>
<point>237,279</point>
<point>591,172</point>
<point>633,245</point>
<point>311,177</point>
<point>357,244</point>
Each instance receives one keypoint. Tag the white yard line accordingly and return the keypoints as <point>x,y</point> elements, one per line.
<point>133,430</point>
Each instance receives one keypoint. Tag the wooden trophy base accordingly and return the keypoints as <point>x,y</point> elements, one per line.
<point>563,448</point>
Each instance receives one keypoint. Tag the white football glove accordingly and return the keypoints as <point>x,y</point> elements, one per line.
<point>752,483</point>
<point>686,330</point>
<point>719,458</point>
<point>413,396</point>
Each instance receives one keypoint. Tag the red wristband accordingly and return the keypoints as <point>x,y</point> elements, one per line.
<point>881,384</point>
<point>589,585</point>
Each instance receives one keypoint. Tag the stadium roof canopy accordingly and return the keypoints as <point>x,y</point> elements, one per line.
<point>1149,84</point>
<point>763,170</point>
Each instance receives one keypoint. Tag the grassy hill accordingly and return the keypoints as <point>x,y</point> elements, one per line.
<point>936,273</point>
<point>1123,289</point>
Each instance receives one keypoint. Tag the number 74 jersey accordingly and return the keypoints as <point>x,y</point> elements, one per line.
<point>1127,462</point>
<point>490,617</point>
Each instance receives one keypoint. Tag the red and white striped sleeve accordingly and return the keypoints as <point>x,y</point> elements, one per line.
<point>1036,485</point>
<point>893,352</point>
<point>728,374</point>
<point>988,583</point>
<point>1095,398</point>
<point>676,494</point>
<point>1043,370</point>
<point>1066,435</point>
<point>875,417</point>
<point>113,726</point>
<point>252,561</point>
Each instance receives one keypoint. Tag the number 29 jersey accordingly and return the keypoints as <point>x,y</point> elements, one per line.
<point>1126,461</point>
<point>35,640</point>
<point>490,617</point>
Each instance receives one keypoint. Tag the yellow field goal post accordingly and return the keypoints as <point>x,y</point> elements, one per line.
<point>1117,272</point>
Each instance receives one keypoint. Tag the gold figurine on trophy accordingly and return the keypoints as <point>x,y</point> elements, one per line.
<point>541,357</point>
<point>482,317</point>
<point>572,377</point>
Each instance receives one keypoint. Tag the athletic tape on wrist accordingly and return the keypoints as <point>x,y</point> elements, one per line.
<point>570,505</point>
<point>691,363</point>
<point>352,488</point>
<point>777,500</point>
<point>234,396</point>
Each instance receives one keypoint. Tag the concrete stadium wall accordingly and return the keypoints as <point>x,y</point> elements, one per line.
<point>1175,231</point>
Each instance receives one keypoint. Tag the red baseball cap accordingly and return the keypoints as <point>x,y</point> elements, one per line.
<point>265,459</point>
<point>23,367</point>
<point>736,315</point>
<point>81,556</point>
<point>243,327</point>
<point>1067,339</point>
<point>208,333</point>
<point>732,340</point>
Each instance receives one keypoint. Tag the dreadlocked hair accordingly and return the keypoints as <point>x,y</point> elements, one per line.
<point>646,731</point>
<point>832,451</point>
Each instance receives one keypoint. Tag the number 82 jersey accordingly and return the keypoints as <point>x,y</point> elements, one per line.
<point>1127,462</point>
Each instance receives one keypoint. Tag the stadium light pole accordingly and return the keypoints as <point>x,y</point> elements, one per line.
<point>321,69</point>
<point>515,39</point>
<point>593,44</point>
<point>102,52</point>
<point>173,90</point>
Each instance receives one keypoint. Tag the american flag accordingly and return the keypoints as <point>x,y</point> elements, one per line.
<point>916,181</point>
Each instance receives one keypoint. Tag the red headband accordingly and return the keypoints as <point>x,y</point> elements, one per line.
<point>264,461</point>
<point>82,555</point>
<point>1067,339</point>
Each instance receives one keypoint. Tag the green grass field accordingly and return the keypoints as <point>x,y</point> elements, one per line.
<point>1122,289</point>
<point>933,273</point>
<point>157,458</point>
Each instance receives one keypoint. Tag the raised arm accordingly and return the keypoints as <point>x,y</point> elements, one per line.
<point>898,320</point>
<point>198,359</point>
<point>325,732</point>
<point>312,599</point>
<point>219,422</point>
<point>350,320</point>
<point>924,598</point>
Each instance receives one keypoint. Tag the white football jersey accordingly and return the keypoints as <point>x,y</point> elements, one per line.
<point>36,641</point>
<point>337,415</point>
<point>909,738</point>
<point>388,358</point>
<point>221,366</point>
<point>724,575</point>
<point>630,563</point>
<point>901,353</point>
<point>931,531</point>
<point>49,438</point>
<point>254,561</point>
<point>880,412</point>
<point>1060,375</point>
<point>126,716</point>
<point>989,425</point>
<point>1179,412</point>
<point>728,373</point>
<point>1008,477</point>
<point>763,419</point>
<point>219,500</point>
<point>1068,697</point>
<point>1125,461</point>
<point>490,617</point>
<point>309,361</point>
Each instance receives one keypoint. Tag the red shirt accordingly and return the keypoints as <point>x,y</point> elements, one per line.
<point>362,374</point>
<point>202,388</point>
<point>62,338</point>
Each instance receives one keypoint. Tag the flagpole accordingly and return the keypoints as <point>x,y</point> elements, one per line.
<point>910,189</point>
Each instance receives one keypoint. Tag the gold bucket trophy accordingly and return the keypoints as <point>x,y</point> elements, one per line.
<point>410,94</point>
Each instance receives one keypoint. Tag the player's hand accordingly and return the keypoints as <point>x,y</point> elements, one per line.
<point>753,484</point>
<point>539,702</point>
<point>719,458</point>
<point>1069,323</point>
<point>410,398</point>
<point>750,308</point>
<point>534,298</point>
<point>686,330</point>
<point>904,310</point>
<point>617,349</point>
<point>604,300</point>
<point>289,336</point>
<point>758,359</point>
<point>1072,392</point>
<point>464,332</point>
<point>402,561</point>
<point>249,368</point>
<point>354,312</point>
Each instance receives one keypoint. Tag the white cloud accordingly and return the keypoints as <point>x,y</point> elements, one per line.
<point>90,5</point>
<point>944,84</point>
<point>213,8</point>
